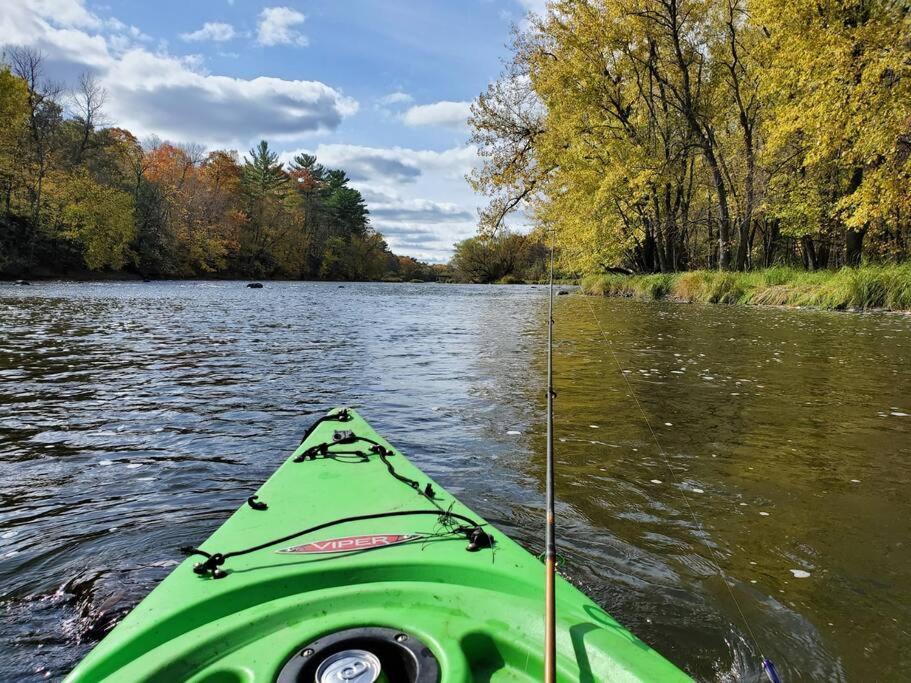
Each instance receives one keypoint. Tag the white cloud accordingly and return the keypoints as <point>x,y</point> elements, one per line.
<point>62,12</point>
<point>385,166</point>
<point>166,96</point>
<point>449,114</point>
<point>212,30</point>
<point>277,27</point>
<point>390,106</point>
<point>397,97</point>
<point>21,19</point>
<point>418,198</point>
<point>157,93</point>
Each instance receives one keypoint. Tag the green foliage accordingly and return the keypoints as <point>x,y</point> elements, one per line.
<point>868,287</point>
<point>14,110</point>
<point>504,256</point>
<point>263,175</point>
<point>97,218</point>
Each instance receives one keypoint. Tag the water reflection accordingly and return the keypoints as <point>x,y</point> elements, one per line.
<point>778,431</point>
<point>135,417</point>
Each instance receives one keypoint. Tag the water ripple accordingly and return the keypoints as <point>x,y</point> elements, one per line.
<point>135,417</point>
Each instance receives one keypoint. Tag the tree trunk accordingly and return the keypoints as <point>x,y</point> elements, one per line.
<point>809,252</point>
<point>854,244</point>
<point>724,214</point>
<point>743,248</point>
<point>770,241</point>
<point>649,250</point>
<point>710,257</point>
<point>823,252</point>
<point>854,239</point>
<point>704,137</point>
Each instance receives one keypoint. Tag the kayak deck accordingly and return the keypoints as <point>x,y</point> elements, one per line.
<point>480,612</point>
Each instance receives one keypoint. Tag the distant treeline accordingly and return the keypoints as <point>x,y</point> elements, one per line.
<point>501,257</point>
<point>79,195</point>
<point>670,135</point>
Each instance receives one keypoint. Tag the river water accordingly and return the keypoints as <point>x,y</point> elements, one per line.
<point>135,417</point>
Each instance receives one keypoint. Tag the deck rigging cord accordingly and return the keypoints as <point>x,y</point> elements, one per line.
<point>477,537</point>
<point>473,531</point>
<point>550,549</point>
<point>341,437</point>
<point>767,666</point>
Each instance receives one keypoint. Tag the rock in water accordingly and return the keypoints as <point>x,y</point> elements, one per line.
<point>255,285</point>
<point>23,282</point>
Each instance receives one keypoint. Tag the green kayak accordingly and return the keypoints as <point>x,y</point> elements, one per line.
<point>350,564</point>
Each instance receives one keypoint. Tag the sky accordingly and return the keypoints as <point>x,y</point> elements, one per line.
<point>380,88</point>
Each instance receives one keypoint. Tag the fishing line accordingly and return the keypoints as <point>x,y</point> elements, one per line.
<point>767,666</point>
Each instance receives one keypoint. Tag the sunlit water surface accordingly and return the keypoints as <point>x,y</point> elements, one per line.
<point>135,417</point>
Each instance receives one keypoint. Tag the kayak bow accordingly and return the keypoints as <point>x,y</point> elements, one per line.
<point>409,585</point>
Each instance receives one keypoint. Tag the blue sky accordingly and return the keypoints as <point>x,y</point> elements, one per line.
<point>378,87</point>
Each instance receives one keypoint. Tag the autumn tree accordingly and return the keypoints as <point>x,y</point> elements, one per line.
<point>44,117</point>
<point>77,194</point>
<point>839,91</point>
<point>668,134</point>
<point>95,218</point>
<point>14,111</point>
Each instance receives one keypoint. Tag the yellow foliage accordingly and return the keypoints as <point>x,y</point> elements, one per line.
<point>97,217</point>
<point>13,118</point>
<point>639,130</point>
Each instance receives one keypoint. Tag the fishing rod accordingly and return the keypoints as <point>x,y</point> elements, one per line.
<point>550,550</point>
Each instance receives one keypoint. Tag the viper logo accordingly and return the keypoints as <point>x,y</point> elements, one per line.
<point>351,543</point>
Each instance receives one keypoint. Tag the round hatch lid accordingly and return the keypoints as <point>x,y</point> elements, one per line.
<point>362,655</point>
<point>349,666</point>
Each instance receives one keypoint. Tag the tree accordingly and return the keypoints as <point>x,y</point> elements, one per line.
<point>839,91</point>
<point>44,117</point>
<point>265,184</point>
<point>98,219</point>
<point>347,210</point>
<point>14,111</point>
<point>492,257</point>
<point>88,102</point>
<point>507,122</point>
<point>409,268</point>
<point>263,174</point>
<point>662,135</point>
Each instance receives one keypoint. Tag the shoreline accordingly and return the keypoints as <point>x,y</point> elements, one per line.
<point>26,282</point>
<point>863,289</point>
<point>126,277</point>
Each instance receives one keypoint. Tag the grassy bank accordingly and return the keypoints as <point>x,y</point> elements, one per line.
<point>886,287</point>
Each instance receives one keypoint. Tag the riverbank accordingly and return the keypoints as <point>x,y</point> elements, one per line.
<point>868,287</point>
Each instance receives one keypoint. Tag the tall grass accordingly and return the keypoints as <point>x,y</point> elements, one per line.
<point>868,287</point>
